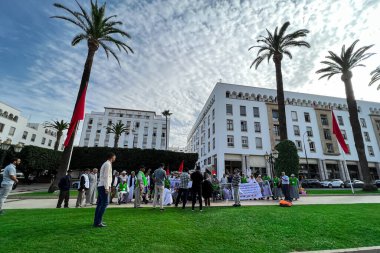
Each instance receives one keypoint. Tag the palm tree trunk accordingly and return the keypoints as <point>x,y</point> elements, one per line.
<point>116,144</point>
<point>280,98</point>
<point>356,129</point>
<point>66,155</point>
<point>58,140</point>
<point>166,131</point>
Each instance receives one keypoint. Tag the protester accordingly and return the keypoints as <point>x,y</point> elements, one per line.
<point>277,192</point>
<point>9,178</point>
<point>139,187</point>
<point>122,192</point>
<point>83,188</point>
<point>252,179</point>
<point>224,179</point>
<point>64,186</point>
<point>115,183</point>
<point>104,186</point>
<point>131,186</point>
<point>294,187</point>
<point>207,190</point>
<point>236,179</point>
<point>260,181</point>
<point>267,192</point>
<point>285,186</point>
<point>196,188</point>
<point>167,196</point>
<point>145,194</point>
<point>91,196</point>
<point>183,190</point>
<point>159,176</point>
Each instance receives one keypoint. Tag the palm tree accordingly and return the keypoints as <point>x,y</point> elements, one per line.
<point>276,46</point>
<point>375,77</point>
<point>117,129</point>
<point>99,31</point>
<point>60,126</point>
<point>343,65</point>
<point>167,114</point>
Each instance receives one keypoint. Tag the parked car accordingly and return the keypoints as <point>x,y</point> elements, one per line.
<point>335,183</point>
<point>377,183</point>
<point>354,183</point>
<point>311,183</point>
<point>75,184</point>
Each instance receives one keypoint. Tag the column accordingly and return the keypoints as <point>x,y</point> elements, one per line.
<point>347,173</point>
<point>220,165</point>
<point>244,165</point>
<point>378,170</point>
<point>342,170</point>
<point>322,169</point>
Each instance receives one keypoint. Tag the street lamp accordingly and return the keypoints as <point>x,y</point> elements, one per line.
<point>270,158</point>
<point>6,144</point>
<point>304,147</point>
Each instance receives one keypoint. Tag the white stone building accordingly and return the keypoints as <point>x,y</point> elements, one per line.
<point>148,130</point>
<point>239,125</point>
<point>15,127</point>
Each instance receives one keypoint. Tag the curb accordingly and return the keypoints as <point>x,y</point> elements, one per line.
<point>375,249</point>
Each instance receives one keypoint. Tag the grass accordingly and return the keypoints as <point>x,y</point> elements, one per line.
<point>42,194</point>
<point>337,191</point>
<point>220,229</point>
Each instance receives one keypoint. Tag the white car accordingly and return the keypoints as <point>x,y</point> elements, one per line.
<point>335,183</point>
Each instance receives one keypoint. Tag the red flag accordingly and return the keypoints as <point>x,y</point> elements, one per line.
<point>77,116</point>
<point>213,172</point>
<point>181,166</point>
<point>338,134</point>
<point>167,172</point>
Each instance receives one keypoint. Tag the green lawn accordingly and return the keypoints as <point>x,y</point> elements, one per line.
<point>337,191</point>
<point>220,229</point>
<point>43,194</point>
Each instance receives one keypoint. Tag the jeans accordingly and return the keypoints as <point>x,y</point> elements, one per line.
<point>4,192</point>
<point>158,189</point>
<point>194,192</point>
<point>286,192</point>
<point>185,194</point>
<point>101,205</point>
<point>63,195</point>
<point>236,195</point>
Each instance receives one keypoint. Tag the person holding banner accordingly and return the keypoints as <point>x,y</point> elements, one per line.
<point>235,184</point>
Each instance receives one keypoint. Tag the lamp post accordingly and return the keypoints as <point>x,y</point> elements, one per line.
<point>304,147</point>
<point>270,158</point>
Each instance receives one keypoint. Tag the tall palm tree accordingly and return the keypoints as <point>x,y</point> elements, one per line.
<point>97,30</point>
<point>375,77</point>
<point>167,114</point>
<point>117,129</point>
<point>60,126</point>
<point>343,65</point>
<point>275,46</point>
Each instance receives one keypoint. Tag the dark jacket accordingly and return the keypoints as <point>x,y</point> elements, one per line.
<point>82,183</point>
<point>197,179</point>
<point>207,189</point>
<point>65,183</point>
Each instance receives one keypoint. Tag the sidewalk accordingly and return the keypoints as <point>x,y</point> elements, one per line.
<point>375,249</point>
<point>309,200</point>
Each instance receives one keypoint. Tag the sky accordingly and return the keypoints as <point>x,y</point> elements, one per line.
<point>182,49</point>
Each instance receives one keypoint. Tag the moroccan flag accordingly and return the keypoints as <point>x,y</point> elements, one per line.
<point>77,116</point>
<point>167,172</point>
<point>181,166</point>
<point>338,134</point>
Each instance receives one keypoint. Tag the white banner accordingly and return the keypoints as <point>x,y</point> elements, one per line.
<point>250,191</point>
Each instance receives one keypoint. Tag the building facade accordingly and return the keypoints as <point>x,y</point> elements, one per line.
<point>239,125</point>
<point>15,127</point>
<point>147,130</point>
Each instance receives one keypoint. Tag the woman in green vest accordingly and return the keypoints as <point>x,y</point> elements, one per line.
<point>294,187</point>
<point>277,192</point>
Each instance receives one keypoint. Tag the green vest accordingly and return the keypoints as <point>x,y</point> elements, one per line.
<point>293,181</point>
<point>144,179</point>
<point>276,181</point>
<point>122,187</point>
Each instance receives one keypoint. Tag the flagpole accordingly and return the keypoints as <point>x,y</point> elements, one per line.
<point>72,148</point>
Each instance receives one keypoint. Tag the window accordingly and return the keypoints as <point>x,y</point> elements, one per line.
<point>244,142</point>
<point>366,136</point>
<point>307,117</point>
<point>330,148</point>
<point>43,141</point>
<point>230,140</point>
<point>230,125</point>
<point>208,147</point>
<point>33,138</point>
<point>294,116</point>
<point>327,134</point>
<point>243,111</point>
<point>1,127</point>
<point>309,131</point>
<point>229,109</point>
<point>276,130</point>
<point>370,151</point>
<point>340,121</point>
<point>243,124</point>
<point>49,143</point>
<point>324,120</point>
<point>213,143</point>
<point>344,134</point>
<point>363,123</point>
<point>256,112</point>
<point>25,135</point>
<point>312,146</point>
<point>213,113</point>
<point>12,131</point>
<point>90,121</point>
<point>257,127</point>
<point>208,120</point>
<point>299,145</point>
<point>296,130</point>
<point>213,128</point>
<point>377,122</point>
<point>275,115</point>
<point>259,143</point>
<point>227,94</point>
<point>208,133</point>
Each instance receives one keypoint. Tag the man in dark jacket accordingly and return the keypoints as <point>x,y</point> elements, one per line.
<point>64,190</point>
<point>196,188</point>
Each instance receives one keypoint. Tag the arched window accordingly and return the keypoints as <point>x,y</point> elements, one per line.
<point>15,119</point>
<point>5,114</point>
<point>240,95</point>
<point>10,116</point>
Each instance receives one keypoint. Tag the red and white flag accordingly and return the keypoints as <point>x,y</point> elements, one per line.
<point>77,116</point>
<point>181,166</point>
<point>338,134</point>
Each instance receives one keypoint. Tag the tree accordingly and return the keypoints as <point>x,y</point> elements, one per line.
<point>117,129</point>
<point>288,159</point>
<point>275,46</point>
<point>343,65</point>
<point>99,31</point>
<point>167,114</point>
<point>60,126</point>
<point>375,77</point>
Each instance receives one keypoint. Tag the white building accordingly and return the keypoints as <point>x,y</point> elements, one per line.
<point>148,130</point>
<point>15,127</point>
<point>239,124</point>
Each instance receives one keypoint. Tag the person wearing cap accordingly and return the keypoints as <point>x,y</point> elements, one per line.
<point>64,190</point>
<point>123,176</point>
<point>294,187</point>
<point>91,196</point>
<point>139,186</point>
<point>83,188</point>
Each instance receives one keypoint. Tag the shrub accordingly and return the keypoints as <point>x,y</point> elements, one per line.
<point>288,159</point>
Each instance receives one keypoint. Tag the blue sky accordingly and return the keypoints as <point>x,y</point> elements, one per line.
<point>182,48</point>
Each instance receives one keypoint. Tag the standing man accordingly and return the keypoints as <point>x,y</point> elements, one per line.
<point>9,178</point>
<point>236,179</point>
<point>139,186</point>
<point>64,186</point>
<point>83,188</point>
<point>91,196</point>
<point>183,188</point>
<point>285,186</point>
<point>159,176</point>
<point>104,187</point>
<point>114,185</point>
<point>196,188</point>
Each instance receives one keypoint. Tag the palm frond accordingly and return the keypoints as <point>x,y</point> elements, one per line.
<point>71,21</point>
<point>375,77</point>
<point>78,38</point>
<point>108,50</point>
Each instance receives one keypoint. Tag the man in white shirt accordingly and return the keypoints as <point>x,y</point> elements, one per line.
<point>83,188</point>
<point>285,184</point>
<point>104,187</point>
<point>9,178</point>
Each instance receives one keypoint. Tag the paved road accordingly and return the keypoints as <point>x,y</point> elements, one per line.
<point>309,200</point>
